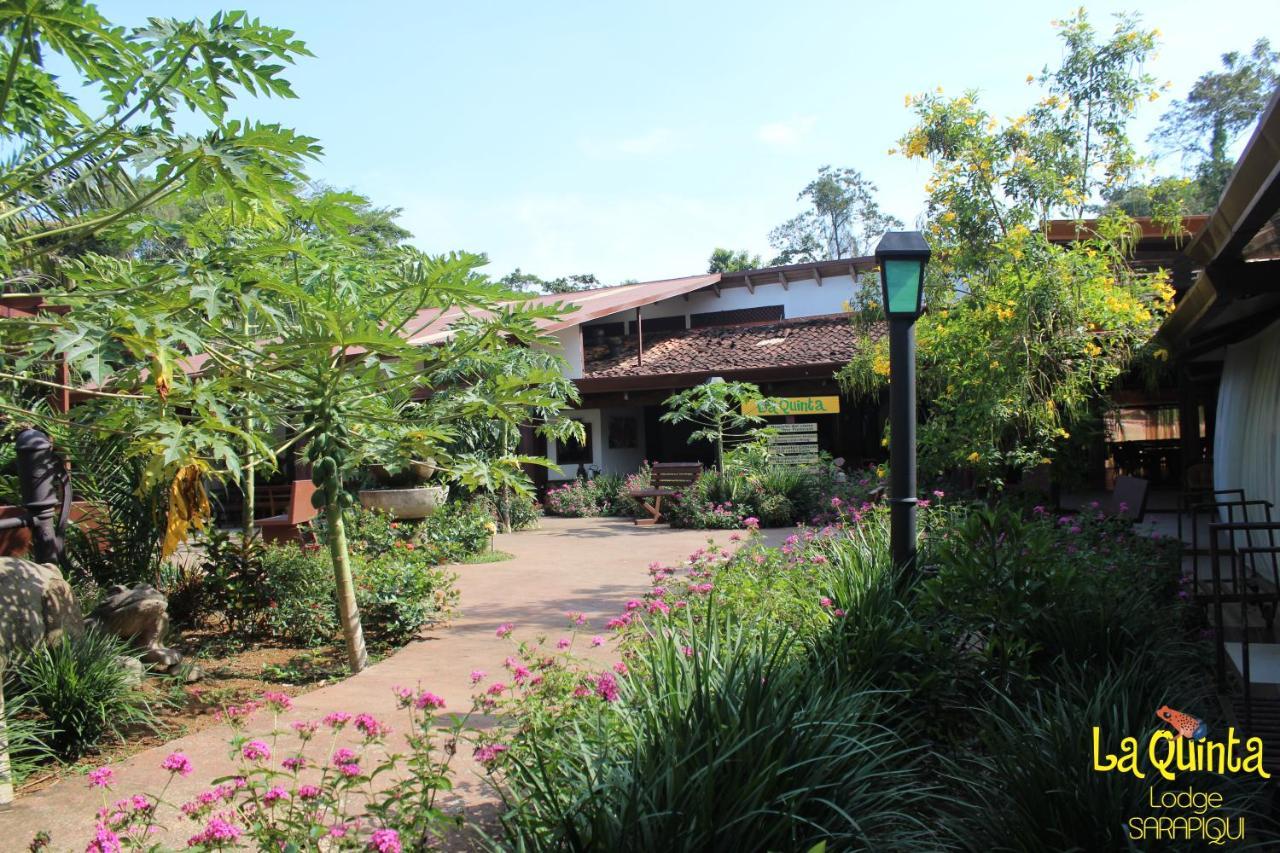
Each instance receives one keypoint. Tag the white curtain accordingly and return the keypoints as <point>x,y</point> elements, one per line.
<point>1246,446</point>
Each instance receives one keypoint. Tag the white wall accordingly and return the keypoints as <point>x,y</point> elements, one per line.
<point>800,299</point>
<point>608,460</point>
<point>569,346</point>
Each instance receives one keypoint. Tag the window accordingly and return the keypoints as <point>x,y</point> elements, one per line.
<point>575,453</point>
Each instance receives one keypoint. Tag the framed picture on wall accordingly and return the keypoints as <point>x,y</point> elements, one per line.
<point>622,433</point>
<point>571,452</point>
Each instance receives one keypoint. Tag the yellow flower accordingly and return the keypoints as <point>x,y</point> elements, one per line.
<point>974,456</point>
<point>1031,78</point>
<point>1062,433</point>
<point>1092,349</point>
<point>880,365</point>
<point>1162,354</point>
<point>949,216</point>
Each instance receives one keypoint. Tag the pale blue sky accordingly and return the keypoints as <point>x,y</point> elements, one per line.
<point>630,139</point>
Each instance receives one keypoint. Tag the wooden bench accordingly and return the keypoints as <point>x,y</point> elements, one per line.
<point>287,526</point>
<point>668,480</point>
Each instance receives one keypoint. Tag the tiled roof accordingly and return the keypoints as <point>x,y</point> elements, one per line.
<point>431,325</point>
<point>823,340</point>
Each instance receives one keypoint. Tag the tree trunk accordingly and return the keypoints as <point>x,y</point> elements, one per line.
<point>248,487</point>
<point>348,612</point>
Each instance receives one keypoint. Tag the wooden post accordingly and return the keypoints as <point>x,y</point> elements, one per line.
<point>639,338</point>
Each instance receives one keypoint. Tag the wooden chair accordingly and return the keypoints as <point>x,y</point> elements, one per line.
<point>669,479</point>
<point>1129,498</point>
<point>287,526</point>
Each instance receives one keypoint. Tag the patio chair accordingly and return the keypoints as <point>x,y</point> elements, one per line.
<point>668,480</point>
<point>288,526</point>
<point>1129,498</point>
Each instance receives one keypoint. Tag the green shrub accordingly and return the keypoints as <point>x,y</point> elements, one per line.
<point>79,688</point>
<point>726,746</point>
<point>185,587</point>
<point>522,510</point>
<point>25,737</point>
<point>235,581</point>
<point>399,593</point>
<point>302,609</point>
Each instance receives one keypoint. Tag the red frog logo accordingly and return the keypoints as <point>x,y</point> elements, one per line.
<point>1191,728</point>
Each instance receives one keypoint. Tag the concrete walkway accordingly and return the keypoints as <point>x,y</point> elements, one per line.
<point>590,566</point>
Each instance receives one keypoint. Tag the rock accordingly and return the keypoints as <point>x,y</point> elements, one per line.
<point>161,658</point>
<point>36,605</point>
<point>139,616</point>
<point>191,673</point>
<point>133,667</point>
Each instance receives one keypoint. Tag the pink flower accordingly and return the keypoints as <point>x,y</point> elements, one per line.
<point>352,769</point>
<point>404,696</point>
<point>216,830</point>
<point>102,777</point>
<point>838,613</point>
<point>751,522</point>
<point>338,830</point>
<point>633,604</point>
<point>385,841</point>
<point>620,668</point>
<point>734,537</point>
<point>687,650</point>
<point>824,601</point>
<point>505,629</point>
<point>496,689</point>
<point>277,701</point>
<point>294,764</point>
<point>337,719</point>
<point>140,803</point>
<point>308,792</point>
<point>836,502</point>
<point>345,755</point>
<point>519,673</point>
<point>477,675</point>
<point>274,795</point>
<point>256,750</point>
<point>305,728</point>
<point>597,641</point>
<point>489,753</point>
<point>177,762</point>
<point>371,726</point>
<point>429,701</point>
<point>938,493</point>
<point>563,643</point>
<point>923,504</point>
<point>606,686</point>
<point>104,841</point>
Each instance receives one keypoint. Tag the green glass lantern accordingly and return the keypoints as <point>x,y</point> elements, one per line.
<point>901,256</point>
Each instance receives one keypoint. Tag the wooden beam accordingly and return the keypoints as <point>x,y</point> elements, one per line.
<point>817,276</point>
<point>716,288</point>
<point>751,288</point>
<point>783,278</point>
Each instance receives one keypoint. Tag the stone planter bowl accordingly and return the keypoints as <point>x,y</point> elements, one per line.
<point>405,503</point>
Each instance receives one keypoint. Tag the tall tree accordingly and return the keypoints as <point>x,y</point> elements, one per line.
<point>731,260</point>
<point>526,282</point>
<point>1022,337</point>
<point>842,220</point>
<point>1221,105</point>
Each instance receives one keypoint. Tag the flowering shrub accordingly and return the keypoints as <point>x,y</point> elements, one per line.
<point>606,495</point>
<point>303,793</point>
<point>1020,629</point>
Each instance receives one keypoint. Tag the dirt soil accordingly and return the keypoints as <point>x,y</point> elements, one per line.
<point>233,673</point>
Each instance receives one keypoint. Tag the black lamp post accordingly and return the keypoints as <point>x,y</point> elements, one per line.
<point>901,257</point>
